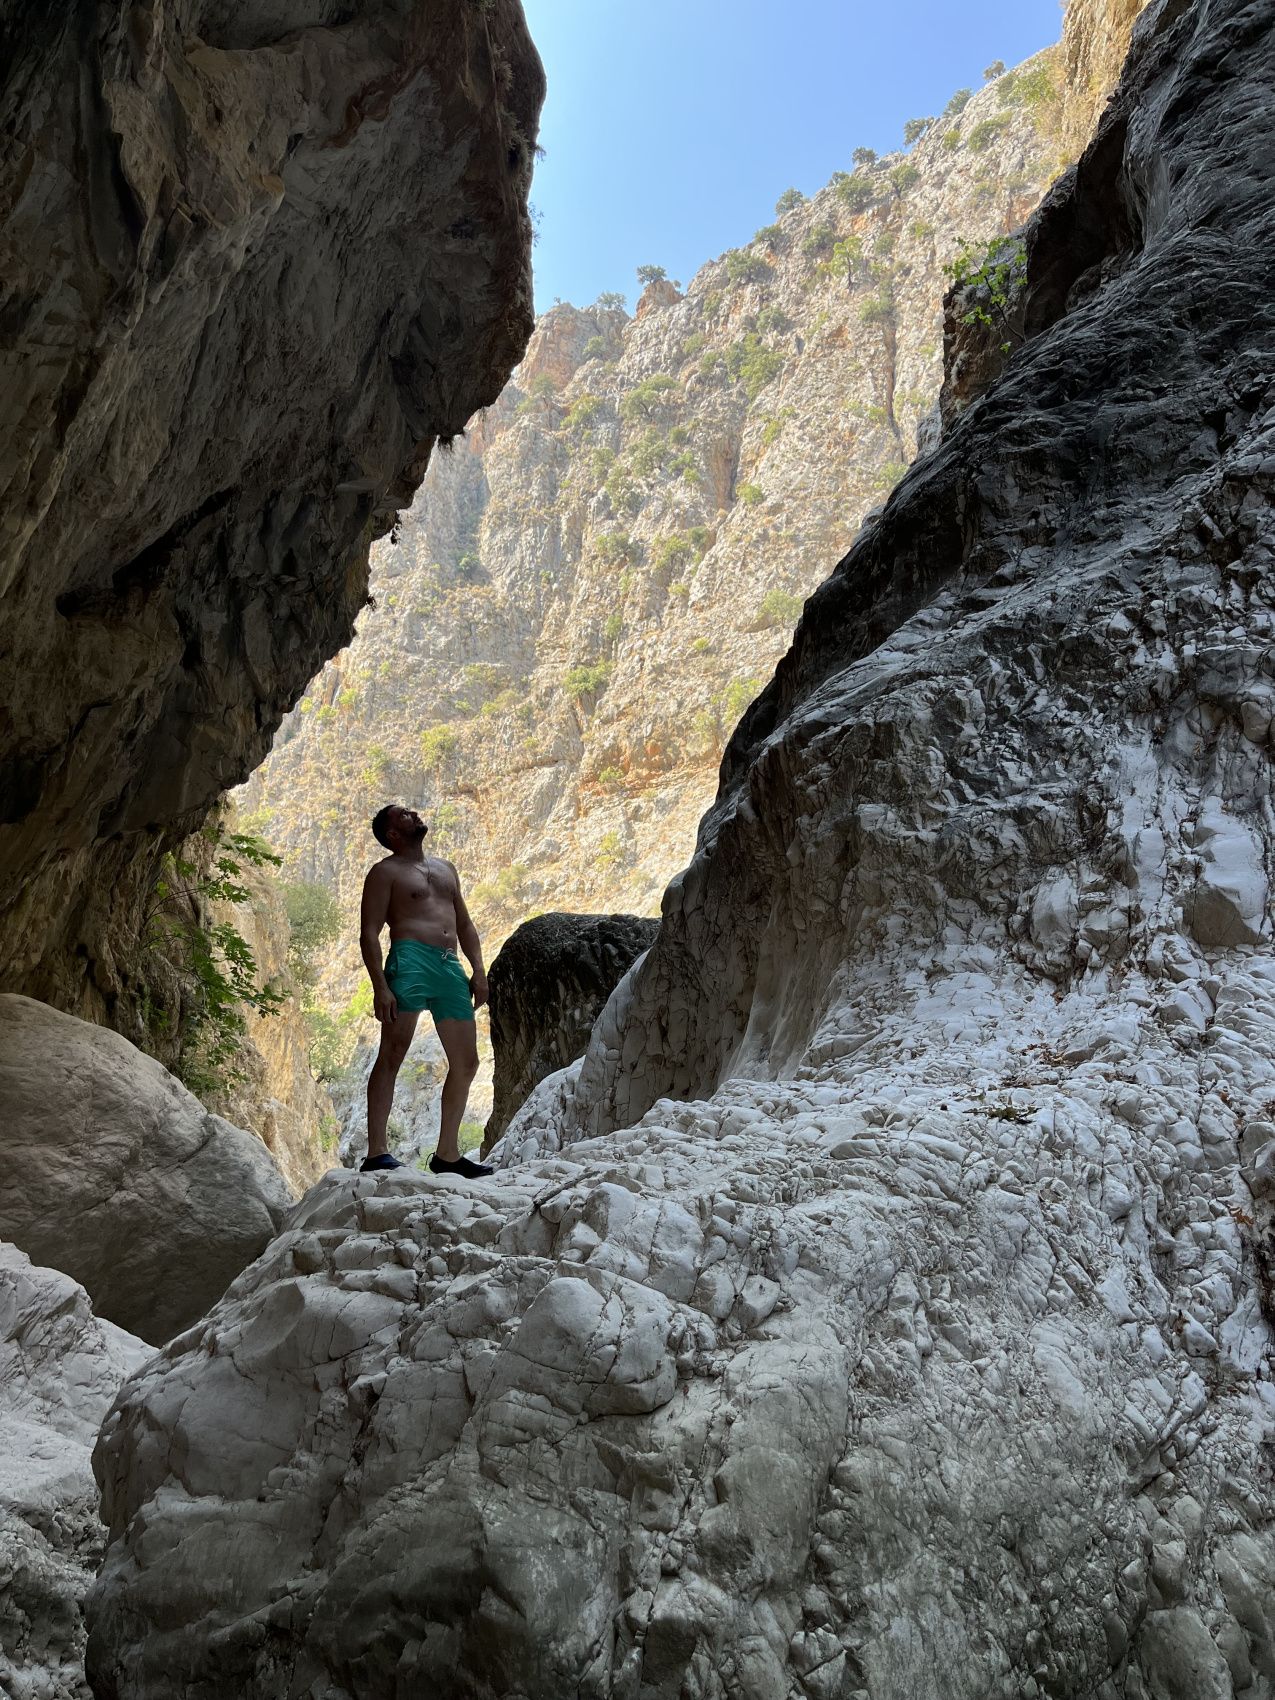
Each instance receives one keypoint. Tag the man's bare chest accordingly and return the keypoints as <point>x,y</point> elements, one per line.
<point>417,888</point>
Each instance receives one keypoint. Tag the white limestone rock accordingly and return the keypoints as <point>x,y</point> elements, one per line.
<point>60,1368</point>
<point>115,1174</point>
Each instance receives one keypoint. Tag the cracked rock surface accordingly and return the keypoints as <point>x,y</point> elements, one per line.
<point>60,1368</point>
<point>257,258</point>
<point>549,983</point>
<point>881,1306</point>
<point>114,1173</point>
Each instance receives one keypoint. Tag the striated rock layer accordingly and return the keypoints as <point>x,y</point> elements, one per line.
<point>918,1351</point>
<point>256,259</point>
<point>548,985</point>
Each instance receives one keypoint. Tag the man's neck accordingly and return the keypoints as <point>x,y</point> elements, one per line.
<point>413,853</point>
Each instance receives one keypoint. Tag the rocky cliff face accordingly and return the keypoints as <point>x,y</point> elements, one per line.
<point>597,579</point>
<point>256,260</point>
<point>903,1333</point>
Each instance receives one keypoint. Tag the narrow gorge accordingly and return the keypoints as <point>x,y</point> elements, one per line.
<point>874,1296</point>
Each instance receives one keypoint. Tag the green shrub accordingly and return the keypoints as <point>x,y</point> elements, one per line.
<point>864,158</point>
<point>985,133</point>
<point>583,410</point>
<point>613,626</point>
<point>775,425</point>
<point>951,140</point>
<point>314,920</point>
<point>788,200</point>
<point>819,240</point>
<point>1032,88</point>
<point>736,698</point>
<point>680,589</point>
<point>479,681</point>
<point>595,348</point>
<point>692,344</point>
<point>779,608</point>
<point>670,552</point>
<point>437,745</point>
<point>914,129</point>
<point>610,850</point>
<point>649,453</point>
<point>377,762</point>
<point>611,300</point>
<point>750,494</point>
<point>709,362</point>
<point>887,476</point>
<point>701,646</point>
<point>700,538</point>
<point>651,274</point>
<point>994,70</point>
<point>613,547</point>
<point>712,301</point>
<point>769,234</point>
<point>540,390</point>
<point>857,191</point>
<point>753,365</point>
<point>877,310</point>
<point>588,679</point>
<point>921,228</point>
<point>610,777</point>
<point>745,267</point>
<point>773,321</point>
<point>959,101</point>
<point>648,398</point>
<point>992,273</point>
<point>215,959</point>
<point>903,177</point>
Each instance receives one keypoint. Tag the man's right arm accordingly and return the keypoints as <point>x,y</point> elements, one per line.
<point>373,914</point>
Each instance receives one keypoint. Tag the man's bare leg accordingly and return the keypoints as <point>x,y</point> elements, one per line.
<point>396,1036</point>
<point>459,1040</point>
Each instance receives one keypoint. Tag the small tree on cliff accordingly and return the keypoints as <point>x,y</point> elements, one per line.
<point>651,274</point>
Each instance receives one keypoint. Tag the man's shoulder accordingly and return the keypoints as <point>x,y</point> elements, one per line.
<point>384,869</point>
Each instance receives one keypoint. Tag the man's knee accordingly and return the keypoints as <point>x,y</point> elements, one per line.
<point>394,1047</point>
<point>464,1065</point>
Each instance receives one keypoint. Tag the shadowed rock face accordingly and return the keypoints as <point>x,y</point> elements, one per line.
<point>918,1350</point>
<point>256,260</point>
<point>548,986</point>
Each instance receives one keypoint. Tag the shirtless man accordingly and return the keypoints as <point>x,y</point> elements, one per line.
<point>418,898</point>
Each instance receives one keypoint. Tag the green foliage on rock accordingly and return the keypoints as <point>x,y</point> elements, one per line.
<point>651,274</point>
<point>595,348</point>
<point>745,267</point>
<point>986,131</point>
<point>616,548</point>
<point>221,973</point>
<point>959,101</point>
<point>648,398</point>
<point>790,199</point>
<point>779,608</point>
<point>990,276</point>
<point>857,191</point>
<point>438,745</point>
<point>752,364</point>
<point>587,679</point>
<point>751,494</point>
<point>903,177</point>
<point>914,129</point>
<point>818,241</point>
<point>583,411</point>
<point>770,234</point>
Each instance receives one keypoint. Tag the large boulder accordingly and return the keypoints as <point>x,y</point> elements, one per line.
<point>549,984</point>
<point>60,1369</point>
<point>111,1171</point>
<point>258,257</point>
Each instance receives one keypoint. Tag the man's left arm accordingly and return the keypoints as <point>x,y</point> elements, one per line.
<point>471,944</point>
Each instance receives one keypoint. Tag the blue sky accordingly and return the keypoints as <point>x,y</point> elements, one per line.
<point>671,126</point>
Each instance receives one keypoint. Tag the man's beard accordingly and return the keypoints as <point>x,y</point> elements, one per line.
<point>414,834</point>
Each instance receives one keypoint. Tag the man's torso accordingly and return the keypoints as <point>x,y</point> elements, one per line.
<point>422,901</point>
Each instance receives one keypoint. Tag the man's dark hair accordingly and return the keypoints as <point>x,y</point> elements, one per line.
<point>379,820</point>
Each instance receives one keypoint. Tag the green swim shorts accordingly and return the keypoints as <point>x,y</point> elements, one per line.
<point>422,976</point>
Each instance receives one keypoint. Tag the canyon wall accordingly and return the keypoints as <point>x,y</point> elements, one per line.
<point>256,260</point>
<point>598,577</point>
<point>903,1329</point>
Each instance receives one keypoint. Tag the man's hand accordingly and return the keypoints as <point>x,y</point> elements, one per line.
<point>385,1006</point>
<point>478,989</point>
